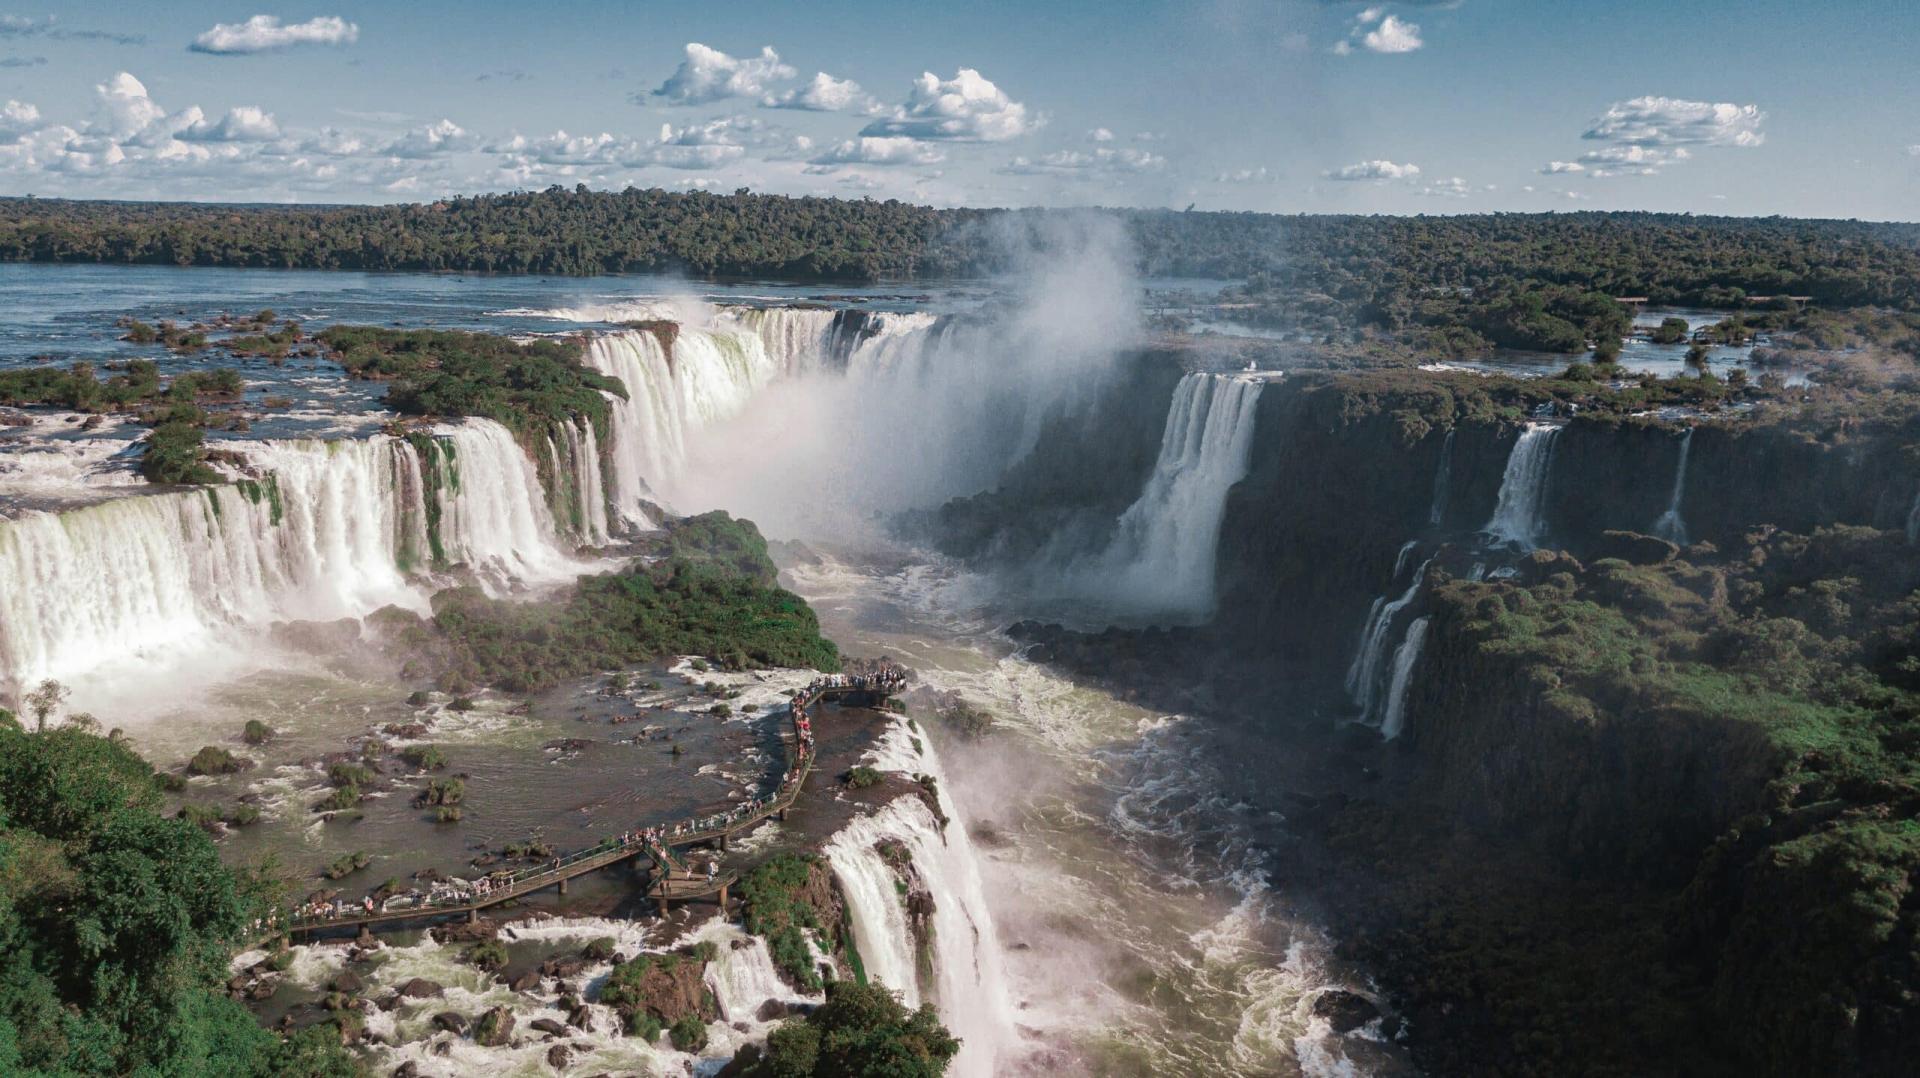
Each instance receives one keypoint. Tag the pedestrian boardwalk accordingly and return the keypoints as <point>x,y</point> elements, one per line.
<point>674,880</point>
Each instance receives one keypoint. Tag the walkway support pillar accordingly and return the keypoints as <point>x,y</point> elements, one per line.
<point>473,917</point>
<point>723,842</point>
<point>563,885</point>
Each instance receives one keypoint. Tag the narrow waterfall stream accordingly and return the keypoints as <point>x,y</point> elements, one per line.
<point>1519,517</point>
<point>1161,559</point>
<point>1671,526</point>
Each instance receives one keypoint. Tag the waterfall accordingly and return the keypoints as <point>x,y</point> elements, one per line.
<point>1363,674</point>
<point>965,983</point>
<point>743,976</point>
<point>891,341</point>
<point>335,529</point>
<point>1913,519</point>
<point>1518,517</point>
<point>708,375</point>
<point>578,498</point>
<point>1162,556</point>
<point>1404,658</point>
<point>1670,527</point>
<point>1442,480</point>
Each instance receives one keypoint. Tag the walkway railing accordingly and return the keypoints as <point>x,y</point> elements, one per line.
<point>656,842</point>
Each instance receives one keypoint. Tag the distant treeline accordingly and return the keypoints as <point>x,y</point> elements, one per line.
<point>1365,267</point>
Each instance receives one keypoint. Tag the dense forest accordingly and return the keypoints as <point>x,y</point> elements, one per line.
<point>1367,265</point>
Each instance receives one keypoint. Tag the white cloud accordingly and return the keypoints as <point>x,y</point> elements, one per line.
<point>1393,36</point>
<point>965,108</point>
<point>1914,150</point>
<point>1100,134</point>
<point>1248,175</point>
<point>243,124</point>
<point>1668,121</point>
<point>824,94</point>
<point>1632,160</point>
<point>868,150</point>
<point>1453,187</point>
<point>129,109</point>
<point>1374,170</point>
<point>18,118</point>
<point>1102,161</point>
<point>266,33</point>
<point>709,75</point>
<point>441,137</point>
<point>1554,168</point>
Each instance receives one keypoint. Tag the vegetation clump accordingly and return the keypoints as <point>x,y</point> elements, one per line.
<point>214,760</point>
<point>715,593</point>
<point>256,732</point>
<point>346,865</point>
<point>862,1029</point>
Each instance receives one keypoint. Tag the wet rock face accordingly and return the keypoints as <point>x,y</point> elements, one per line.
<point>421,988</point>
<point>451,1021</point>
<point>559,1056</point>
<point>1344,1011</point>
<point>494,1028</point>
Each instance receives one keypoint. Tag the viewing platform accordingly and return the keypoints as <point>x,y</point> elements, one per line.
<point>673,880</point>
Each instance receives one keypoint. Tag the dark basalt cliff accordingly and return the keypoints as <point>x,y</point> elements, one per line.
<point>1648,804</point>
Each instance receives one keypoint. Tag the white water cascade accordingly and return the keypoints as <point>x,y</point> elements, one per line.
<point>1404,658</point>
<point>1519,517</point>
<point>965,983</point>
<point>1162,556</point>
<point>1670,526</point>
<point>1442,480</point>
<point>1364,673</point>
<point>1913,520</point>
<point>337,529</point>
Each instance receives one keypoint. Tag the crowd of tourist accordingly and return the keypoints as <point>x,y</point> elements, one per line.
<point>657,841</point>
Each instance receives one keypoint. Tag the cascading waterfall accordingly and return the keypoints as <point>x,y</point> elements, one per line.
<point>1442,480</point>
<point>1162,556</point>
<point>893,340</point>
<point>964,980</point>
<point>1364,674</point>
<point>1404,659</point>
<point>578,498</point>
<point>1670,526</point>
<point>336,529</point>
<point>1913,519</point>
<point>1518,518</point>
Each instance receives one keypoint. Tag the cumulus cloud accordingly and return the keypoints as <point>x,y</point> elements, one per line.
<point>18,119</point>
<point>1669,121</point>
<point>243,124</point>
<point>1555,168</point>
<point>709,75</point>
<point>1631,160</point>
<point>1914,150</point>
<point>1392,35</point>
<point>824,94</point>
<point>1100,134</point>
<point>694,147</point>
<point>965,108</point>
<point>868,150</point>
<point>1248,175</point>
<point>1374,170</point>
<point>266,33</point>
<point>1102,161</point>
<point>1376,31</point>
<point>441,137</point>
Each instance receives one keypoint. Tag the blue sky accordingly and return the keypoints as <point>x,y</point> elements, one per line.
<point>1709,106</point>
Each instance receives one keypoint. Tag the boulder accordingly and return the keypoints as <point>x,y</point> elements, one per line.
<point>581,1018</point>
<point>1344,1011</point>
<point>559,1056</point>
<point>409,1069</point>
<point>548,1025</point>
<point>771,1011</point>
<point>526,982</point>
<point>421,988</point>
<point>450,1021</point>
<point>493,1028</point>
<point>344,982</point>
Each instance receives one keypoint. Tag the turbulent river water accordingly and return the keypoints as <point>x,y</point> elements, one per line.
<point>1108,907</point>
